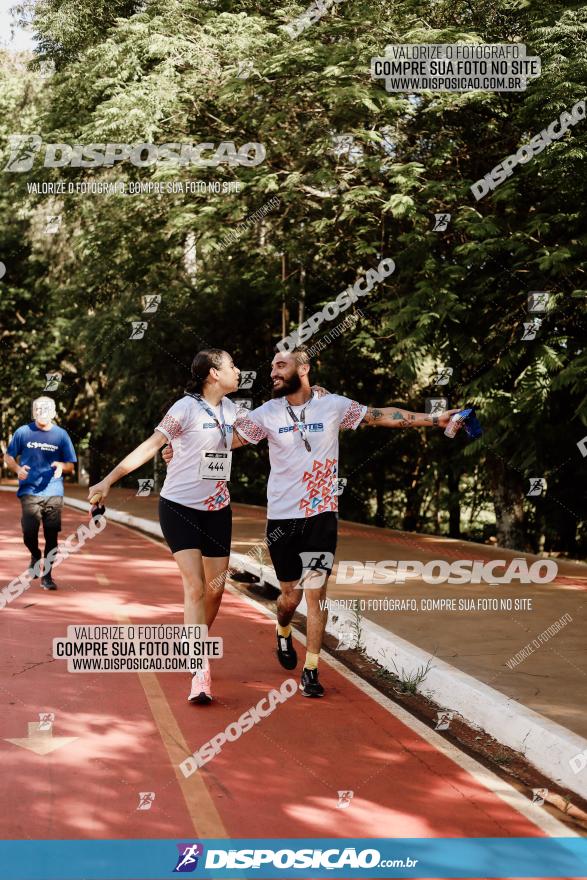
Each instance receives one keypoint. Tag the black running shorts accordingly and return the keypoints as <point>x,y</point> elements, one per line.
<point>313,536</point>
<point>41,508</point>
<point>185,528</point>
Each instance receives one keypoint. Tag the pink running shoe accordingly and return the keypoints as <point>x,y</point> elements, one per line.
<point>201,689</point>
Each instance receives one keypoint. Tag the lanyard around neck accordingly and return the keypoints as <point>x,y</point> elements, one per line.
<point>220,425</point>
<point>301,421</point>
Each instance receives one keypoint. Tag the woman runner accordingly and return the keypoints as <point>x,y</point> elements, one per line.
<point>194,504</point>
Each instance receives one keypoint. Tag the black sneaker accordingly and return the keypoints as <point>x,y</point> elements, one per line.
<point>286,653</point>
<point>309,684</point>
<point>32,571</point>
<point>48,583</point>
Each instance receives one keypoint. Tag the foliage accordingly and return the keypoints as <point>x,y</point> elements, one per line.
<point>167,72</point>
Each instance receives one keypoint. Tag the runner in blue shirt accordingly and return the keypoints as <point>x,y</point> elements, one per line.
<point>46,453</point>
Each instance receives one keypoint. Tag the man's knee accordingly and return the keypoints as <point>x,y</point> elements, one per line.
<point>290,598</point>
<point>315,598</point>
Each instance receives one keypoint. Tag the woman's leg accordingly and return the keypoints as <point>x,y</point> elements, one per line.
<point>218,534</point>
<point>192,574</point>
<point>215,568</point>
<point>194,612</point>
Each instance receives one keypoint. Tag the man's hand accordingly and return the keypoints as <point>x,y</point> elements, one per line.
<point>101,489</point>
<point>444,418</point>
<point>58,465</point>
<point>23,472</point>
<point>167,453</point>
<point>319,391</point>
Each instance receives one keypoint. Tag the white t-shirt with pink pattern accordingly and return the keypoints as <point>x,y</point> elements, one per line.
<point>301,483</point>
<point>191,430</point>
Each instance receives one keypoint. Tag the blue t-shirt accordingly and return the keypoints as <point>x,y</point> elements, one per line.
<point>38,449</point>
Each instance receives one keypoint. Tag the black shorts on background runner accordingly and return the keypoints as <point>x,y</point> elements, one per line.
<point>185,528</point>
<point>312,534</point>
<point>41,508</point>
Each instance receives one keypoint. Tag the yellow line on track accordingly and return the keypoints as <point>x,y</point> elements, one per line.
<point>200,805</point>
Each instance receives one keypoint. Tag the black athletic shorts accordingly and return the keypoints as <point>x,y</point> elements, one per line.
<point>41,508</point>
<point>313,536</point>
<point>184,528</point>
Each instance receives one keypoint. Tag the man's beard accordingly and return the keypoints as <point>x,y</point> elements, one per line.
<point>288,386</point>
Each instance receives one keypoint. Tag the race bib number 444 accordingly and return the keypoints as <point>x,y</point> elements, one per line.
<point>215,465</point>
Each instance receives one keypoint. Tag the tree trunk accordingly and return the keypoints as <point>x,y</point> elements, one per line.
<point>454,503</point>
<point>414,497</point>
<point>284,308</point>
<point>508,501</point>
<point>96,463</point>
<point>567,532</point>
<point>379,494</point>
<point>437,504</point>
<point>302,299</point>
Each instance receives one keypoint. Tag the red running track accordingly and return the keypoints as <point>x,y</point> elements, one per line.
<point>129,731</point>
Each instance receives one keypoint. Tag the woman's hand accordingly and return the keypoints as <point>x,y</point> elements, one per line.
<point>102,489</point>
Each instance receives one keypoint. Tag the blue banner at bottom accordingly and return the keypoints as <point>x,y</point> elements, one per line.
<point>303,858</point>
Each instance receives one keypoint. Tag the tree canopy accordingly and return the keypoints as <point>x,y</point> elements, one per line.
<point>219,71</point>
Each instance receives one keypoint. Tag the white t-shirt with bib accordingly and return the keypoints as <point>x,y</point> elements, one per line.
<point>301,483</point>
<point>191,430</point>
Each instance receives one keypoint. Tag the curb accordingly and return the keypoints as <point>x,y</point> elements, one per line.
<point>543,743</point>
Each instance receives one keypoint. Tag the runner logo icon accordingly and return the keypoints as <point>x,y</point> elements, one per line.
<point>187,861</point>
<point>316,567</point>
<point>344,799</point>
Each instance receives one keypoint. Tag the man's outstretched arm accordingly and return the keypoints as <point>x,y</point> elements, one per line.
<point>394,417</point>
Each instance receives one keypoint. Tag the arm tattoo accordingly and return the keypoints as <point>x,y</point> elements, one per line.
<point>435,421</point>
<point>374,415</point>
<point>403,420</point>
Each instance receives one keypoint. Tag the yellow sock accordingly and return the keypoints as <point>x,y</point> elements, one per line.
<point>311,661</point>
<point>284,631</point>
